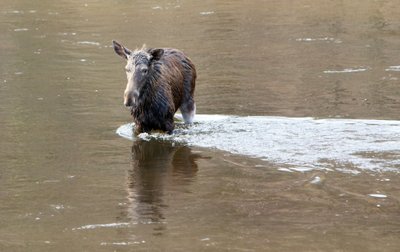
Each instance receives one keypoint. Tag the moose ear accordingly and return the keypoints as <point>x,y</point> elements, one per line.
<point>156,53</point>
<point>121,50</point>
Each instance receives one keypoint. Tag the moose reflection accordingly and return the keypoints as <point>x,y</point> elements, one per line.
<point>157,167</point>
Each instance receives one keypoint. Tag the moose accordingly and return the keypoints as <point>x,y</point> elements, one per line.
<point>160,81</point>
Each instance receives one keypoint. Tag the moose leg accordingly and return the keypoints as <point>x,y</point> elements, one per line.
<point>138,129</point>
<point>188,110</point>
<point>169,126</point>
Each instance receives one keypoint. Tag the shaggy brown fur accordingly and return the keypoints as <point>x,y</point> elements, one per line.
<point>160,81</point>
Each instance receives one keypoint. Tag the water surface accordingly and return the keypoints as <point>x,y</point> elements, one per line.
<point>304,157</point>
<point>296,144</point>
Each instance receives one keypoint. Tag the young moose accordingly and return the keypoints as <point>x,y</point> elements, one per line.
<point>160,81</point>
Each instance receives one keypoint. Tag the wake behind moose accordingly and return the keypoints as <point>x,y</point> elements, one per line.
<point>160,81</point>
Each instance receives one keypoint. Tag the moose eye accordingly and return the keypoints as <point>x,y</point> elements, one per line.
<point>144,71</point>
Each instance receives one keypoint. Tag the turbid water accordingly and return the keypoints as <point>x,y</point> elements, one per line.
<point>296,145</point>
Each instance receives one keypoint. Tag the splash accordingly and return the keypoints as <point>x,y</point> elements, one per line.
<point>295,144</point>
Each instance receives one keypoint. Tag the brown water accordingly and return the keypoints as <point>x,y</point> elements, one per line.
<point>69,183</point>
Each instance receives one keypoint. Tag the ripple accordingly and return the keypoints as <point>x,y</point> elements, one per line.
<point>88,43</point>
<point>327,39</point>
<point>21,29</point>
<point>377,195</point>
<point>108,225</point>
<point>346,70</point>
<point>393,69</point>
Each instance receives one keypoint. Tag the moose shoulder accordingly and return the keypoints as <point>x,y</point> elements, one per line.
<point>160,81</point>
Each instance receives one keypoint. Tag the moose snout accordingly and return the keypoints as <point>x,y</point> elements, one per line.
<point>130,98</point>
<point>128,102</point>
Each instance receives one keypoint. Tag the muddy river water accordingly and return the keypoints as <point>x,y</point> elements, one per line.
<point>296,146</point>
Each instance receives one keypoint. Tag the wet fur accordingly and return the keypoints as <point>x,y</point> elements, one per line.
<point>170,85</point>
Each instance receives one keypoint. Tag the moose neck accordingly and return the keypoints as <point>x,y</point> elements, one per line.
<point>148,92</point>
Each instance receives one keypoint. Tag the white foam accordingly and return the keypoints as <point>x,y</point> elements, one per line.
<point>88,43</point>
<point>57,207</point>
<point>377,195</point>
<point>346,70</point>
<point>122,243</point>
<point>393,69</point>
<point>108,225</point>
<point>206,13</point>
<point>14,12</point>
<point>298,144</point>
<point>327,39</point>
<point>21,29</point>
<point>316,180</point>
